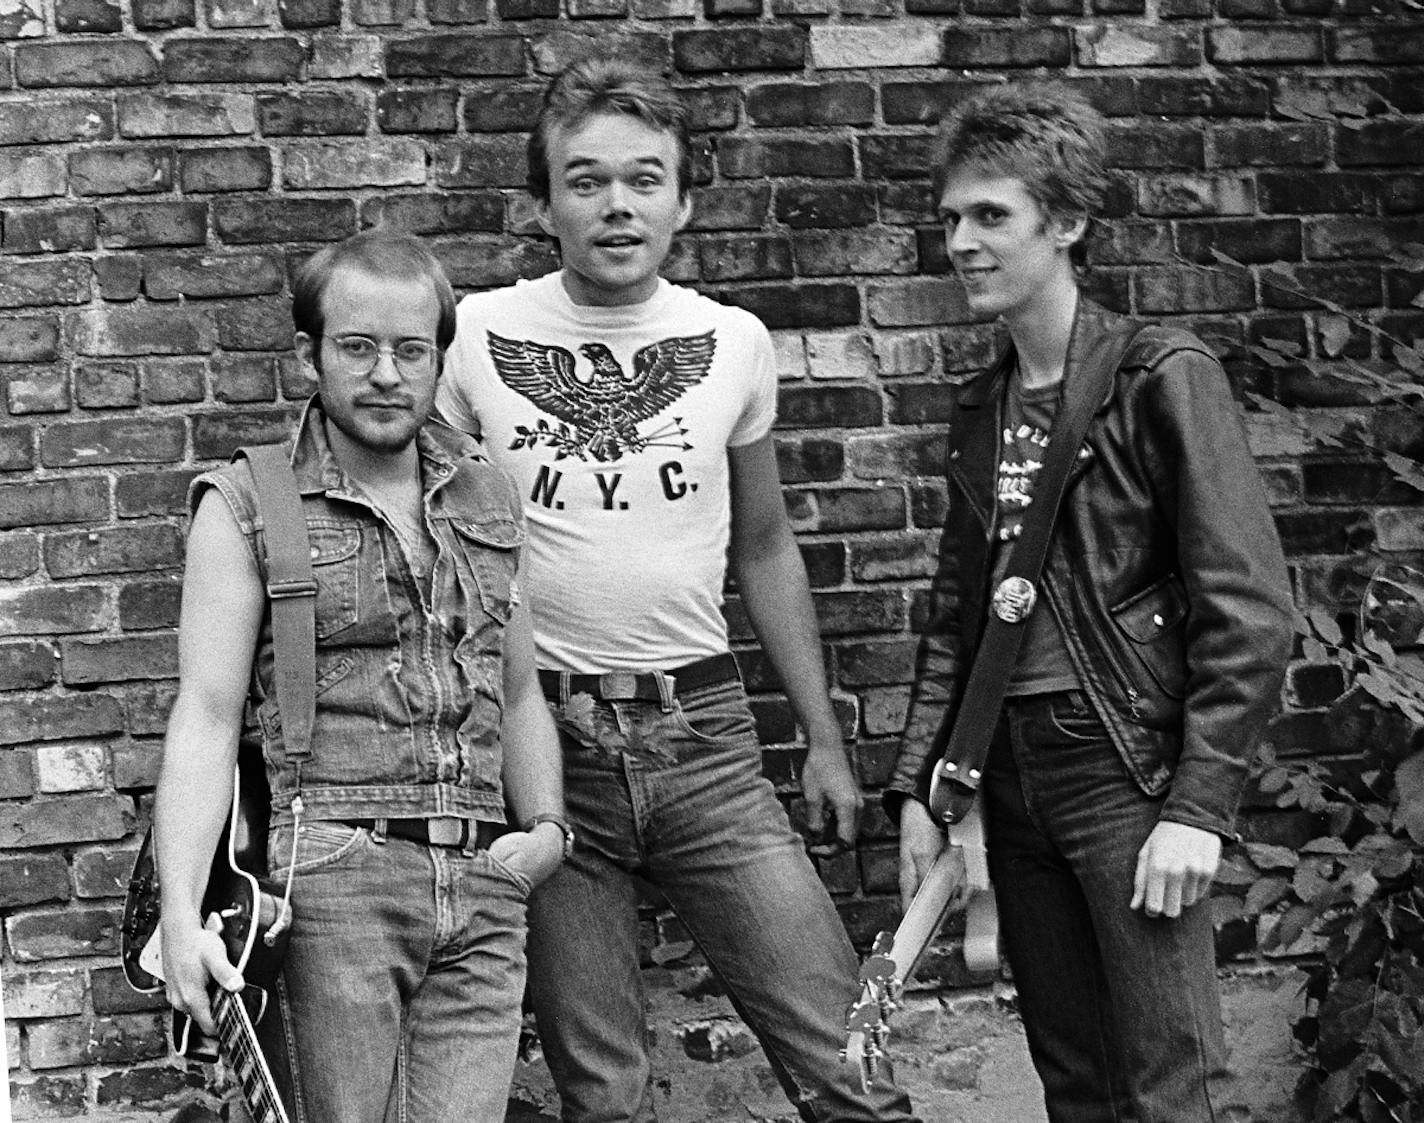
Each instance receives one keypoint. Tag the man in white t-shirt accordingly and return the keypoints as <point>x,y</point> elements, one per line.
<point>635,417</point>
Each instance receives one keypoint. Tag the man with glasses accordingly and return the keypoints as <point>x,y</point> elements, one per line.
<point>400,991</point>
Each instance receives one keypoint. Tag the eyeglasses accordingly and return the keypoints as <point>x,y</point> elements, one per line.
<point>358,354</point>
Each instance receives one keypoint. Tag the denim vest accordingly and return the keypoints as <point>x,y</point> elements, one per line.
<point>409,678</point>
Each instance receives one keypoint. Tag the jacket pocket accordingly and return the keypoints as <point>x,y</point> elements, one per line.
<point>1153,621</point>
<point>492,547</point>
<point>335,557</point>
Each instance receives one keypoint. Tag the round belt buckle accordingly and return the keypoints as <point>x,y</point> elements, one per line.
<point>1014,599</point>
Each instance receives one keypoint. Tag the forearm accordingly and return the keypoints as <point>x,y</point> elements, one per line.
<point>532,767</point>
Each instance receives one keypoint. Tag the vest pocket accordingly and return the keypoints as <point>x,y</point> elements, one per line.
<point>335,553</point>
<point>492,548</point>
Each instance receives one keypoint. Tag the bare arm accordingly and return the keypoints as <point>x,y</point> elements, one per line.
<point>772,580</point>
<point>217,632</point>
<point>533,768</point>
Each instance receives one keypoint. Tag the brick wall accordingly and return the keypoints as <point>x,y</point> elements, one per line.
<point>162,162</point>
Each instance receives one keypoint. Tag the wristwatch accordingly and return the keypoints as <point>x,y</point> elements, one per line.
<point>558,821</point>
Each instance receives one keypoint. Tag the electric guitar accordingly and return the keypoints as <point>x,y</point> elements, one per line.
<point>959,873</point>
<point>255,945</point>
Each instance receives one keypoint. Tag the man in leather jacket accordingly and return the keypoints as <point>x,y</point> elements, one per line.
<point>1154,648</point>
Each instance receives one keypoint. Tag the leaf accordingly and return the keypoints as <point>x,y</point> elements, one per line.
<point>1406,471</point>
<point>1325,627</point>
<point>1334,334</point>
<point>1325,846</point>
<point>1273,780</point>
<point>1265,893</point>
<point>1270,857</point>
<point>1409,783</point>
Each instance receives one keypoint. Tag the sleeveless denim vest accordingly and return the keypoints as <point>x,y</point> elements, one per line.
<point>409,679</point>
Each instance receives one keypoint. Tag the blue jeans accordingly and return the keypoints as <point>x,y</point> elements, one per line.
<point>676,795</point>
<point>400,992</point>
<point>1121,1009</point>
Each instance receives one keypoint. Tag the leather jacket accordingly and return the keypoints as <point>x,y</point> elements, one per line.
<point>1165,573</point>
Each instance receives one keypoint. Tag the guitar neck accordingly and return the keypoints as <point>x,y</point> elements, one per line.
<point>927,909</point>
<point>237,1039</point>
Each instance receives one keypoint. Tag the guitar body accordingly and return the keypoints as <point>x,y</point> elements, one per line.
<point>253,946</point>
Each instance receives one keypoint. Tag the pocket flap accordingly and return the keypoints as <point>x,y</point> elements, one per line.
<point>1157,609</point>
<point>500,534</point>
<point>331,544</point>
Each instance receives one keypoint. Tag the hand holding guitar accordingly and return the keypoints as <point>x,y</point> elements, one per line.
<point>192,957</point>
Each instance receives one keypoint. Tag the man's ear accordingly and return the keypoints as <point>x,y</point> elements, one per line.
<point>541,214</point>
<point>684,211</point>
<point>1070,229</point>
<point>305,347</point>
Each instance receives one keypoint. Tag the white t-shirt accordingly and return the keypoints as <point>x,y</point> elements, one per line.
<point>615,424</point>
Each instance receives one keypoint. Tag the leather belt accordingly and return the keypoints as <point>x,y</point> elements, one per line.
<point>441,831</point>
<point>639,686</point>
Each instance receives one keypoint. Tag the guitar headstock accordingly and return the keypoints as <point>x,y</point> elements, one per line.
<point>867,1023</point>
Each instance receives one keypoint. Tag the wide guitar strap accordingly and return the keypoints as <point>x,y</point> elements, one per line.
<point>291,591</point>
<point>961,745</point>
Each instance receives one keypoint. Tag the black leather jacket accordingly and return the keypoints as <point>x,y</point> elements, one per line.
<point>1165,573</point>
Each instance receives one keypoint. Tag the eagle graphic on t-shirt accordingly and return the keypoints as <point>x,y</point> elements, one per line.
<point>600,415</point>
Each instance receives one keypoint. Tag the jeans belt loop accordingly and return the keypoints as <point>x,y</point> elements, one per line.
<point>563,689</point>
<point>378,832</point>
<point>667,690</point>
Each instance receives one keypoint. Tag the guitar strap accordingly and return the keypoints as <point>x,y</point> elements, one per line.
<point>291,590</point>
<point>961,744</point>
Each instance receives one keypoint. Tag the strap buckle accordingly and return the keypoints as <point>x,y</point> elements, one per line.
<point>952,791</point>
<point>296,587</point>
<point>618,686</point>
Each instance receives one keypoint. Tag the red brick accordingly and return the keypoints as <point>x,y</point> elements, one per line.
<point>161,15</point>
<point>43,390</point>
<point>46,717</point>
<point>53,822</point>
<point>770,48</point>
<point>309,13</point>
<point>24,19</point>
<point>119,276</point>
<point>117,171</point>
<point>1131,243</point>
<point>145,1085</point>
<point>244,378</point>
<point>225,169</point>
<point>787,104</point>
<point>1246,239</point>
<point>30,284</point>
<point>49,229</point>
<point>858,612</point>
<point>1203,97</point>
<point>995,47</point>
<point>920,301</point>
<point>32,175</point>
<point>129,225</point>
<point>112,994</point>
<point>417,110</point>
<point>527,9</point>
<point>897,455</point>
<point>255,325</point>
<point>848,509</point>
<point>139,493</point>
<point>1381,142</point>
<point>1304,286</point>
<point>472,262</point>
<point>1167,291</point>
<point>203,115</point>
<point>457,11</point>
<point>19,555</point>
<point>818,205</point>
<point>167,277</point>
<point>828,407</point>
<point>1383,46</point>
<point>313,113</point>
<point>146,330</point>
<point>381,13</point>
<point>839,252</point>
<point>455,56</point>
<point>217,435</point>
<point>68,499</point>
<point>1345,237</point>
<point>429,213</point>
<point>483,161</point>
<point>146,605</point>
<point>739,207</point>
<point>166,382</point>
<point>801,459</point>
<point>799,306</point>
<point>26,665</point>
<point>115,62</point>
<point>895,157</point>
<point>54,934</point>
<point>500,109</point>
<point>17,779</point>
<point>740,158</point>
<point>30,879</point>
<point>1268,145</point>
<point>56,120</point>
<point>245,59</point>
<point>1110,43</point>
<point>1298,192</point>
<point>1156,146</point>
<point>109,659</point>
<point>128,549</point>
<point>875,662</point>
<point>243,221</point>
<point>46,1096</point>
<point>148,705</point>
<point>1273,45</point>
<point>744,257</point>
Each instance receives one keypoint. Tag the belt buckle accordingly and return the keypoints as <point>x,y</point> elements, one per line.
<point>1014,599</point>
<point>618,686</point>
<point>446,831</point>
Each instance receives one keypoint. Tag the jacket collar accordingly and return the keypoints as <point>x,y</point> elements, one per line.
<point>439,447</point>
<point>1090,321</point>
